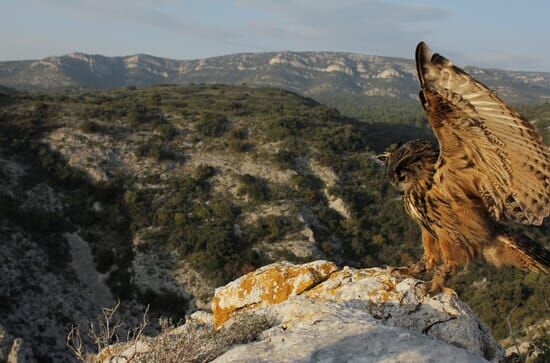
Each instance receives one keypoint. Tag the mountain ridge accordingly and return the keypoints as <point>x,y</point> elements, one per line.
<point>315,74</point>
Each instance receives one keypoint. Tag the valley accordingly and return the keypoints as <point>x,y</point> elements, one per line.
<point>180,189</point>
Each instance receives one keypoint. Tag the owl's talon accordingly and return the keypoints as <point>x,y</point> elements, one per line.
<point>413,270</point>
<point>399,271</point>
<point>448,291</point>
<point>437,284</point>
<point>421,286</point>
<point>425,289</point>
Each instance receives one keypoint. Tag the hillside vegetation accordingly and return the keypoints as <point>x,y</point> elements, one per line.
<point>178,190</point>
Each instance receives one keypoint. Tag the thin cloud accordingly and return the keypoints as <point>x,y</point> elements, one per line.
<point>371,26</point>
<point>145,12</point>
<point>311,12</point>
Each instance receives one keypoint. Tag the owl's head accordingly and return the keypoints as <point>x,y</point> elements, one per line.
<point>409,163</point>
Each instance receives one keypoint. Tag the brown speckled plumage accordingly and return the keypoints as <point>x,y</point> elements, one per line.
<point>492,166</point>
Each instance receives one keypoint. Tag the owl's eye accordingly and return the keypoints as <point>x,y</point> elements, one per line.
<point>401,176</point>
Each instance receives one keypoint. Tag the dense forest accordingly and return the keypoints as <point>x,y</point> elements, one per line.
<point>186,208</point>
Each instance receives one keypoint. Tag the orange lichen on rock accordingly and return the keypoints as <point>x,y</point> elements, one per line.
<point>268,285</point>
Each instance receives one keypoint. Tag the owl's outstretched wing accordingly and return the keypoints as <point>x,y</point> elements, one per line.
<point>498,155</point>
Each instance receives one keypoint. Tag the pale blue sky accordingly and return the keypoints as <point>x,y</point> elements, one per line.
<point>488,33</point>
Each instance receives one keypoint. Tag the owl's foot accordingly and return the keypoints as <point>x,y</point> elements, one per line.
<point>437,283</point>
<point>435,286</point>
<point>413,270</point>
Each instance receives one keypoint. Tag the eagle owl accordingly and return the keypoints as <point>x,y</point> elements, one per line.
<point>491,166</point>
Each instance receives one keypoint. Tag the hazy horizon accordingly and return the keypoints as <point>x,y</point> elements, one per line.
<point>489,34</point>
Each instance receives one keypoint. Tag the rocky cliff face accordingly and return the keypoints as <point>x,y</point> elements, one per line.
<point>318,312</point>
<point>310,73</point>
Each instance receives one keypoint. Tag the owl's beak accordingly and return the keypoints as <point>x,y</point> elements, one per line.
<point>383,158</point>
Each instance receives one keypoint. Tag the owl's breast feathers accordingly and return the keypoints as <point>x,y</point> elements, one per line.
<point>416,207</point>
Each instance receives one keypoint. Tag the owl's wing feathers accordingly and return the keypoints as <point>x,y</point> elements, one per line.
<point>477,130</point>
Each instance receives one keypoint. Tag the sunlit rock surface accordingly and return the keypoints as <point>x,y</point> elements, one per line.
<point>351,315</point>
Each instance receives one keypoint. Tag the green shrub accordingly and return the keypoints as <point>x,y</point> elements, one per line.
<point>239,146</point>
<point>309,187</point>
<point>339,139</point>
<point>281,128</point>
<point>237,141</point>
<point>285,159</point>
<point>156,99</point>
<point>165,303</point>
<point>136,116</point>
<point>254,187</point>
<point>166,131</point>
<point>271,228</point>
<point>204,172</point>
<point>246,328</point>
<point>155,149</point>
<point>212,124</point>
<point>89,126</point>
<point>8,206</point>
<point>140,114</point>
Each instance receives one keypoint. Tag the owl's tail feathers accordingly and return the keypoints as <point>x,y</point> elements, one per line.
<point>518,250</point>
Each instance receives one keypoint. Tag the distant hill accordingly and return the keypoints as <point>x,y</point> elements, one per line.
<point>320,75</point>
<point>4,91</point>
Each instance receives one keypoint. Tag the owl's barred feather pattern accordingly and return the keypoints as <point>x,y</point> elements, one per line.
<point>507,152</point>
<point>492,166</point>
<point>535,256</point>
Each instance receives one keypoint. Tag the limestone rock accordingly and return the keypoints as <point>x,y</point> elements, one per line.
<point>364,314</point>
<point>400,303</point>
<point>312,331</point>
<point>318,313</point>
<point>122,352</point>
<point>268,285</point>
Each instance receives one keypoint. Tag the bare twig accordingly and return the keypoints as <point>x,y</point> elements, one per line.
<point>135,335</point>
<point>512,334</point>
<point>105,332</point>
<point>195,341</point>
<point>75,345</point>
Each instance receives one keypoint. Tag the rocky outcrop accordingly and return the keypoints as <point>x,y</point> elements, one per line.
<point>268,285</point>
<point>311,331</point>
<point>345,307</point>
<point>318,312</point>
